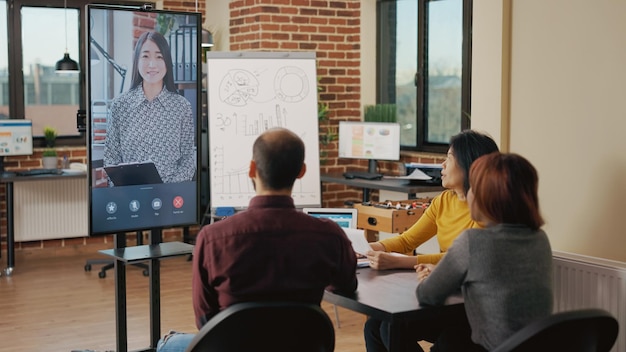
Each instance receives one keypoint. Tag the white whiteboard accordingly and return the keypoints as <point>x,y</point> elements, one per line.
<point>248,93</point>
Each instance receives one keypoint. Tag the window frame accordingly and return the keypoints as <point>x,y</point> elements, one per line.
<point>422,145</point>
<point>17,106</point>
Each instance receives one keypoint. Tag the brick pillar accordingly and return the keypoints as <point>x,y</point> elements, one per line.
<point>332,30</point>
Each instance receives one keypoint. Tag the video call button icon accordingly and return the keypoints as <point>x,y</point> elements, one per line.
<point>111,207</point>
<point>134,205</point>
<point>178,202</point>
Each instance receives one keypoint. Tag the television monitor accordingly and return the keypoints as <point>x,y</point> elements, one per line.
<point>143,118</point>
<point>369,140</point>
<point>344,217</point>
<point>16,138</point>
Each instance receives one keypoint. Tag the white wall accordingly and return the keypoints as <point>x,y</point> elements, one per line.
<point>217,21</point>
<point>567,92</point>
<point>490,78</point>
<point>368,53</point>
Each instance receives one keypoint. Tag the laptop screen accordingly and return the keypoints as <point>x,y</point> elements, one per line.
<point>344,217</point>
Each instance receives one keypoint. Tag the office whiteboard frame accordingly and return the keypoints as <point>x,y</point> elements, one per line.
<point>222,97</point>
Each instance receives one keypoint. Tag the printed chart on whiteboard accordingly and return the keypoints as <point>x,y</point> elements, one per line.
<point>248,93</point>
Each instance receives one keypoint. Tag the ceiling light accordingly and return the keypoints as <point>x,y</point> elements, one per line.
<point>66,64</point>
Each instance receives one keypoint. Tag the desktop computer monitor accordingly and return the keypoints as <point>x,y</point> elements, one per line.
<point>16,138</point>
<point>369,140</point>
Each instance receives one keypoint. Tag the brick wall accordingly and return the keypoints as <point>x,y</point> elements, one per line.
<point>27,162</point>
<point>332,30</point>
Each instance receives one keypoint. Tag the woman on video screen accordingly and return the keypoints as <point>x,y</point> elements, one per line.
<point>151,121</point>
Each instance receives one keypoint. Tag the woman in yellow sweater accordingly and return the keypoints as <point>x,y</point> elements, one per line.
<point>446,217</point>
<point>448,214</point>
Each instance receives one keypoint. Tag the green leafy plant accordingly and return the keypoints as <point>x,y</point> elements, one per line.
<point>379,113</point>
<point>49,152</point>
<point>50,135</point>
<point>325,130</point>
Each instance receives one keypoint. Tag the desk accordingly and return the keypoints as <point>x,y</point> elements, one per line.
<point>389,295</point>
<point>8,179</point>
<point>387,184</point>
<point>151,253</point>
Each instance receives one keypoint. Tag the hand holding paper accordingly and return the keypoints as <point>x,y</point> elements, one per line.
<point>359,242</point>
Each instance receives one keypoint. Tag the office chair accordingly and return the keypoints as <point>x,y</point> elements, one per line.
<point>267,326</point>
<point>584,330</point>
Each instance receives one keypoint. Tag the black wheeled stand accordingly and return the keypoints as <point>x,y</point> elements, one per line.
<point>108,264</point>
<point>150,253</point>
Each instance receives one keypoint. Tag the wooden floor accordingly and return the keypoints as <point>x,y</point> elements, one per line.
<point>51,304</point>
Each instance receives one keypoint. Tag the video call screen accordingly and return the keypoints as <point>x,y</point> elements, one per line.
<point>144,85</point>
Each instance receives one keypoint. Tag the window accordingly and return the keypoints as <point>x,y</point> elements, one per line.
<point>39,32</point>
<point>424,68</point>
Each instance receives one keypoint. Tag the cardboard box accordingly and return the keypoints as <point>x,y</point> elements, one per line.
<point>387,217</point>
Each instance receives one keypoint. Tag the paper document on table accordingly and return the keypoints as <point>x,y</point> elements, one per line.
<point>417,174</point>
<point>359,242</point>
<point>424,165</point>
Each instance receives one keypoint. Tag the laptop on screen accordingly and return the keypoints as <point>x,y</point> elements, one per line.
<point>133,174</point>
<point>344,217</point>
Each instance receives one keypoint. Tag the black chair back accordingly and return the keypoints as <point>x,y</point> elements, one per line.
<point>267,326</point>
<point>585,330</point>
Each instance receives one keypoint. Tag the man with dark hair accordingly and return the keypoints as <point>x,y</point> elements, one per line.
<point>278,158</point>
<point>271,251</point>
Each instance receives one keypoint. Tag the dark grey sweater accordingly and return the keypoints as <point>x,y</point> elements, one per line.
<point>505,274</point>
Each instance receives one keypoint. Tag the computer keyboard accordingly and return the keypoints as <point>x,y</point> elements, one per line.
<point>35,172</point>
<point>363,175</point>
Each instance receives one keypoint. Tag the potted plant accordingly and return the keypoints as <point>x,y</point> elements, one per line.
<point>49,159</point>
<point>379,113</point>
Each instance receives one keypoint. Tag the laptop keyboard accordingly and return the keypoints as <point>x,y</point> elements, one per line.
<point>362,175</point>
<point>35,172</point>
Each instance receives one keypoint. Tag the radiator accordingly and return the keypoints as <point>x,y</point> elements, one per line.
<point>50,209</point>
<point>588,282</point>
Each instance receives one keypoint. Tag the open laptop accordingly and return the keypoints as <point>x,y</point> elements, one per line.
<point>344,217</point>
<point>133,174</point>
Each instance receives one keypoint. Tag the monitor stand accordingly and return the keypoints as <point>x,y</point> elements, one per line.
<point>372,166</point>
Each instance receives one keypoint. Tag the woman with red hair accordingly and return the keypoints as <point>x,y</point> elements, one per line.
<point>504,270</point>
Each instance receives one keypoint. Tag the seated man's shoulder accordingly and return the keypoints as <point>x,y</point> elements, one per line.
<point>219,226</point>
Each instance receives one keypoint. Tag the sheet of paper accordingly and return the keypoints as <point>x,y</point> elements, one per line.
<point>417,174</point>
<point>359,242</point>
<point>424,165</point>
